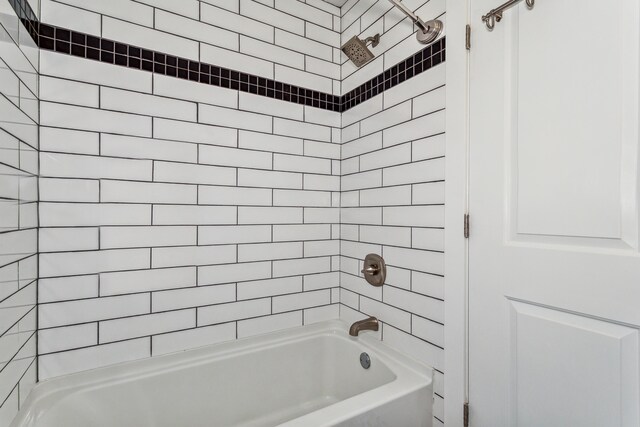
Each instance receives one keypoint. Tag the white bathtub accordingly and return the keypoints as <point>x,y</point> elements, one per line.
<point>304,377</point>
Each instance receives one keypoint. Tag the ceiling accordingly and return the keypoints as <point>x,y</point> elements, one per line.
<point>338,3</point>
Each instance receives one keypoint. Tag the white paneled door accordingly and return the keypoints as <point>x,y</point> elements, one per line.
<point>554,265</point>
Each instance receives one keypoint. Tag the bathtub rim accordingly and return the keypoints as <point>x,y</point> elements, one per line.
<point>410,374</point>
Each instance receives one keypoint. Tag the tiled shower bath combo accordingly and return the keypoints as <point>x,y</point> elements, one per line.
<point>177,174</point>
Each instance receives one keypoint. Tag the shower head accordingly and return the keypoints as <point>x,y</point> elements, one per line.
<point>357,49</point>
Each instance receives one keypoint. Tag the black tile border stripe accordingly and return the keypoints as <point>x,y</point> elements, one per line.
<point>423,60</point>
<point>111,52</point>
<point>27,17</point>
<point>100,49</point>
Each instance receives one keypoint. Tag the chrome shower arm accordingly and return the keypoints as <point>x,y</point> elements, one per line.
<point>428,31</point>
<point>415,18</point>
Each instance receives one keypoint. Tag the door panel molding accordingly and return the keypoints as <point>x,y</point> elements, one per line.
<point>571,360</point>
<point>597,203</point>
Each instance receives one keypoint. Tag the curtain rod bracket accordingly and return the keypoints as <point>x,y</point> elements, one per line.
<point>495,15</point>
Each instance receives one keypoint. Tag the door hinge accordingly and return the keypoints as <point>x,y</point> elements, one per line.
<point>465,415</point>
<point>466,226</point>
<point>468,38</point>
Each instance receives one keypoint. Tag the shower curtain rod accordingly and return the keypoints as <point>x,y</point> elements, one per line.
<point>495,15</point>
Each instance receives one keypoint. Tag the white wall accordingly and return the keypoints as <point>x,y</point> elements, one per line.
<point>18,212</point>
<point>393,148</point>
<point>176,214</point>
<point>393,205</point>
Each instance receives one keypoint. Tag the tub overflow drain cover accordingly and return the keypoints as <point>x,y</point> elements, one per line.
<point>365,360</point>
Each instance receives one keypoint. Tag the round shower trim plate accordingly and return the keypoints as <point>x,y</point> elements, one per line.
<point>435,27</point>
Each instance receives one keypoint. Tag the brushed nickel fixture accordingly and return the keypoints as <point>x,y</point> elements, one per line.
<point>428,31</point>
<point>368,324</point>
<point>375,270</point>
<point>495,15</point>
<point>357,49</point>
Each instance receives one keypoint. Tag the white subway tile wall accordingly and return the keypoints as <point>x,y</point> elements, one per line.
<point>392,189</point>
<point>177,214</point>
<point>18,213</point>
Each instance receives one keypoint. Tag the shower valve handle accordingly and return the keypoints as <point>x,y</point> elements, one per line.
<point>371,270</point>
